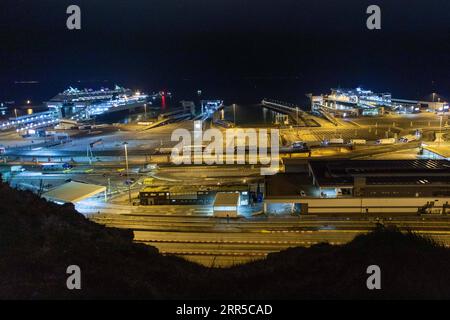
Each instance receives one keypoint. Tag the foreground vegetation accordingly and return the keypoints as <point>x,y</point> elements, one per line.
<point>38,240</point>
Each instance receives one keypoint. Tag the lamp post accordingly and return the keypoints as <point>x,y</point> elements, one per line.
<point>125,144</point>
<point>109,187</point>
<point>234,113</point>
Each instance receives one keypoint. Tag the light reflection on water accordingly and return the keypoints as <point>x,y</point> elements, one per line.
<point>248,115</point>
<point>7,113</point>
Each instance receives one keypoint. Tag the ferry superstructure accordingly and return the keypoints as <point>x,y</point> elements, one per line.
<point>79,104</point>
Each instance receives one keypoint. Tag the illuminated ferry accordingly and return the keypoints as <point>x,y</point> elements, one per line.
<point>83,104</point>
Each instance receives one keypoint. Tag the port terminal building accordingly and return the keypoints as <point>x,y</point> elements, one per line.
<point>359,187</point>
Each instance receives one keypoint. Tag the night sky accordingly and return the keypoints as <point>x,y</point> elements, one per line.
<point>233,49</point>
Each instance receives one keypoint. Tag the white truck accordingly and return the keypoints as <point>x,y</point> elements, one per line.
<point>298,145</point>
<point>386,141</point>
<point>357,141</point>
<point>336,141</point>
<point>408,138</point>
<point>17,169</point>
<point>148,168</point>
<point>333,141</point>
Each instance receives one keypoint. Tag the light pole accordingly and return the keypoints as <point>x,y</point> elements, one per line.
<point>234,114</point>
<point>125,144</point>
<point>145,111</point>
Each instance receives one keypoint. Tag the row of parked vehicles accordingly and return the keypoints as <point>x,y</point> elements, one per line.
<point>300,145</point>
<point>404,139</point>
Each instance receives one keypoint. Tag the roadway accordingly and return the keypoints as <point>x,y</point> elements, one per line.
<point>140,142</point>
<point>143,143</point>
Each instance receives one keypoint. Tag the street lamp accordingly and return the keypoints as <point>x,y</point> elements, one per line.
<point>234,113</point>
<point>125,144</point>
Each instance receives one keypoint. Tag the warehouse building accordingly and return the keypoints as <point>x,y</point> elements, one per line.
<point>193,195</point>
<point>226,204</point>
<point>360,186</point>
<point>74,192</point>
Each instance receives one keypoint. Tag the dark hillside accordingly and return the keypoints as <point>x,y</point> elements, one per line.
<point>38,240</point>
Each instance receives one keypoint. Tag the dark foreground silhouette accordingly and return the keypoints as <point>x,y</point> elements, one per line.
<point>38,240</point>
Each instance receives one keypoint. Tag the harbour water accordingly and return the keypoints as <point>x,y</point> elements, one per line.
<point>248,115</point>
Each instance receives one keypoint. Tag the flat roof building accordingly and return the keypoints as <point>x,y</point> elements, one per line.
<point>73,192</point>
<point>226,204</point>
<point>382,177</point>
<point>342,186</point>
<point>188,194</point>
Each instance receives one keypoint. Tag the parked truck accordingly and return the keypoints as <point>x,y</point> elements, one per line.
<point>298,145</point>
<point>386,141</point>
<point>333,141</point>
<point>408,138</point>
<point>357,141</point>
<point>54,166</point>
<point>17,169</point>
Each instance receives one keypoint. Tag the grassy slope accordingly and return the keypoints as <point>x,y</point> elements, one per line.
<point>38,240</point>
